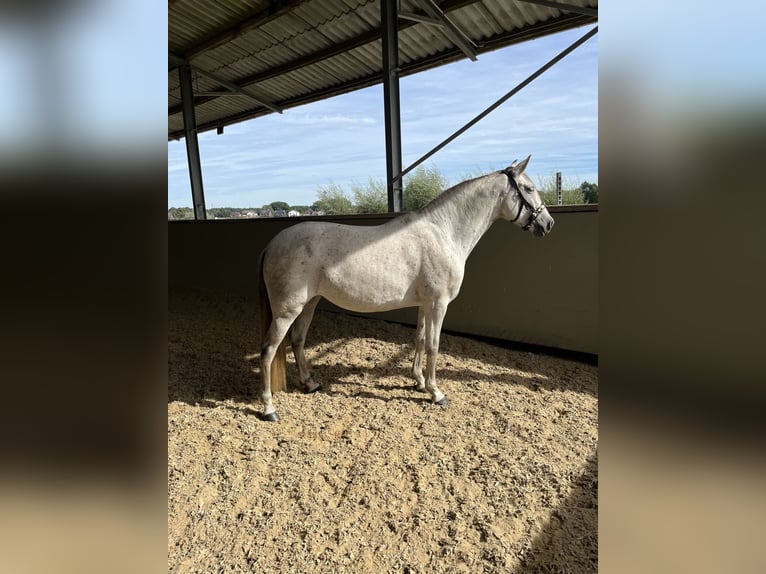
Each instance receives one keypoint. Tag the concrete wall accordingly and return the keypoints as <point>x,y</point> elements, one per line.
<point>517,287</point>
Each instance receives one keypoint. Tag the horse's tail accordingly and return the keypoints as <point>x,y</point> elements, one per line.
<point>279,364</point>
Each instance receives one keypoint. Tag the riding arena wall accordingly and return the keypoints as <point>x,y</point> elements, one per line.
<point>517,287</point>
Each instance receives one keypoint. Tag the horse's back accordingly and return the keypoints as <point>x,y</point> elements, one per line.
<point>310,239</point>
<point>362,268</point>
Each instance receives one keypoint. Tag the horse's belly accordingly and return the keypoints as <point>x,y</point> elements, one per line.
<point>369,290</point>
<point>360,305</point>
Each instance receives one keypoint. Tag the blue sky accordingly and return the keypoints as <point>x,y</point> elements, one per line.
<point>288,157</point>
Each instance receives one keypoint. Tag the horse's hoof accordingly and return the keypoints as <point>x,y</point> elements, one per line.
<point>420,389</point>
<point>314,390</point>
<point>443,402</point>
<point>271,417</point>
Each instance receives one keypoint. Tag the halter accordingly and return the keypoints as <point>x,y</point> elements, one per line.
<point>535,211</point>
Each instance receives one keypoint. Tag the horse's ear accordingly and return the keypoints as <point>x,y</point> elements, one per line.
<point>518,168</point>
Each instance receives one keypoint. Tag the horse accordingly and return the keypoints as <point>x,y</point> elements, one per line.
<point>414,260</point>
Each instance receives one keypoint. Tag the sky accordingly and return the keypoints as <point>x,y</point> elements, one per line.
<point>290,156</point>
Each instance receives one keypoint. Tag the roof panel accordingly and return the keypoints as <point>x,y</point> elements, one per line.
<point>419,41</point>
<point>292,52</point>
<point>192,21</point>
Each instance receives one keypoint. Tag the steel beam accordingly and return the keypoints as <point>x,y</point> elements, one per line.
<point>192,146</point>
<point>420,19</point>
<point>233,88</point>
<point>453,33</point>
<point>390,33</point>
<point>565,7</point>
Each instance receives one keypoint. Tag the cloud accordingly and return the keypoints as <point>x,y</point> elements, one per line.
<point>328,119</point>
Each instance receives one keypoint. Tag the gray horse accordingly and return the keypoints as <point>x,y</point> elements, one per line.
<point>415,260</point>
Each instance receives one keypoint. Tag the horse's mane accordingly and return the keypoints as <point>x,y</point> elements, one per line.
<point>461,195</point>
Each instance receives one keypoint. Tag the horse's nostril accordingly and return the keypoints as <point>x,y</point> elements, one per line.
<point>550,225</point>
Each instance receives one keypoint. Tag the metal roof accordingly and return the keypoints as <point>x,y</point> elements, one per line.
<point>251,58</point>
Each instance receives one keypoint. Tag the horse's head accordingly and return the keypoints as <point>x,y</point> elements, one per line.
<point>522,204</point>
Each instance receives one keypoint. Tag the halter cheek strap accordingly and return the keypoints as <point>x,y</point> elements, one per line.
<point>535,212</point>
<point>521,207</point>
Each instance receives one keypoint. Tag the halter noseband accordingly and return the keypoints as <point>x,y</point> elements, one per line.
<point>535,211</point>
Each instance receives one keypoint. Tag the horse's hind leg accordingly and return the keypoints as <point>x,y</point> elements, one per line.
<point>420,345</point>
<point>273,338</point>
<point>298,340</point>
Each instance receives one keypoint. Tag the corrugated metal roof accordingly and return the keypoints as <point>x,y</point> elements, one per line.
<point>290,52</point>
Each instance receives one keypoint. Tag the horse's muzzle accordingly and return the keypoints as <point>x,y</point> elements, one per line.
<point>543,227</point>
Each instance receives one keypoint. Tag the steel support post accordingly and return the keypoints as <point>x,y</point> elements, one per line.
<point>192,146</point>
<point>390,29</point>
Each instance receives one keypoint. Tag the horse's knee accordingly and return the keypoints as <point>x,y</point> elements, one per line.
<point>267,352</point>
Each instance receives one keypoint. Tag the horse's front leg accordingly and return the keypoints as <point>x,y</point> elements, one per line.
<point>420,345</point>
<point>433,323</point>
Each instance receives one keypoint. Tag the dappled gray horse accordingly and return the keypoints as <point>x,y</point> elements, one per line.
<point>414,260</point>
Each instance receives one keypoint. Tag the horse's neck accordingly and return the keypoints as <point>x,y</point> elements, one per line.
<point>466,211</point>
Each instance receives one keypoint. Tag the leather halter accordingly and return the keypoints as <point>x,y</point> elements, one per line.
<point>535,212</point>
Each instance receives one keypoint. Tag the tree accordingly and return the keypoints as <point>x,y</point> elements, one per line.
<point>223,212</point>
<point>589,192</point>
<point>568,196</point>
<point>180,213</point>
<point>570,193</point>
<point>422,186</point>
<point>275,205</point>
<point>371,199</point>
<point>333,200</point>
